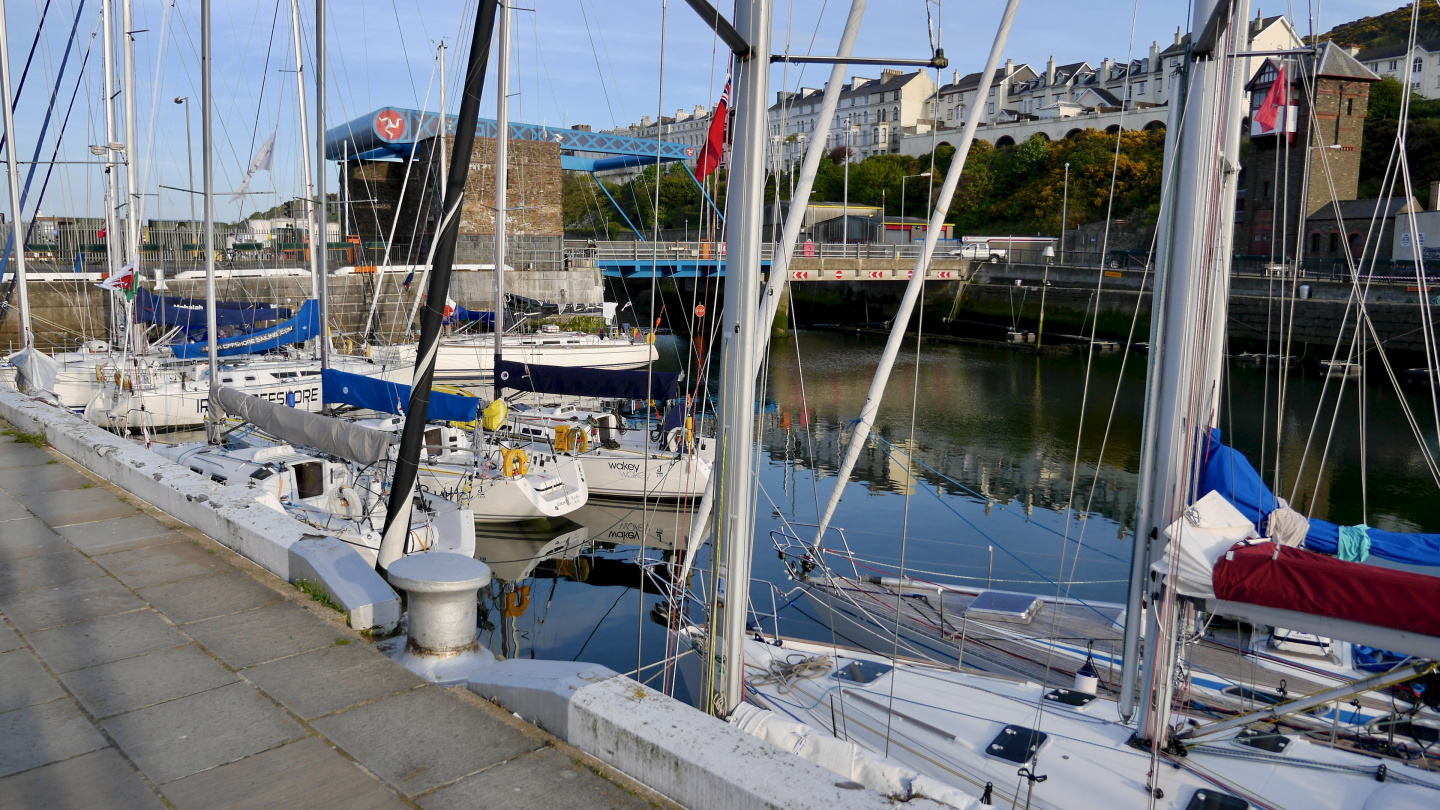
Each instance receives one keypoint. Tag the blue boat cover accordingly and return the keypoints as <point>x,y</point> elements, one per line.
<point>1227,471</point>
<point>190,312</point>
<point>302,327</point>
<point>578,381</point>
<point>344,388</point>
<point>463,315</point>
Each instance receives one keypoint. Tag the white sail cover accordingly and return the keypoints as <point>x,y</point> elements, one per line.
<point>1195,542</point>
<point>327,434</point>
<point>34,371</point>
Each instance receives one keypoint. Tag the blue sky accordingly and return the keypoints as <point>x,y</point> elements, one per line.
<point>576,61</point>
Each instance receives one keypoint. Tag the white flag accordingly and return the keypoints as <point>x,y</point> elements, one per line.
<point>264,159</point>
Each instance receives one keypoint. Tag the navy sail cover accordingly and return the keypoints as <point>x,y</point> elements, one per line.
<point>578,381</point>
<point>189,313</point>
<point>302,327</point>
<point>1227,471</point>
<point>344,388</point>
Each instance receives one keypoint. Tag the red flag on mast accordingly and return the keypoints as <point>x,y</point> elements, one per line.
<point>714,150</point>
<point>1275,104</point>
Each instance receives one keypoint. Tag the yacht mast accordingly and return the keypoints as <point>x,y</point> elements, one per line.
<point>1187,330</point>
<point>917,278</point>
<point>319,251</point>
<point>502,179</point>
<point>27,332</point>
<point>735,518</point>
<point>444,124</point>
<point>112,176</point>
<point>301,91</point>
<point>132,184</point>
<point>207,170</point>
<point>407,462</point>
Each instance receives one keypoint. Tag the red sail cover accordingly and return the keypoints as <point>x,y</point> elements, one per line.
<point>1306,582</point>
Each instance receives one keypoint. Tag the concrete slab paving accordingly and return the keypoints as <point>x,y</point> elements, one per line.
<point>27,536</point>
<point>68,603</point>
<point>46,571</point>
<point>40,478</point>
<point>157,565</point>
<point>193,600</point>
<point>8,639</point>
<point>45,733</point>
<point>190,734</point>
<point>118,534</point>
<point>22,455</point>
<point>26,683</point>
<point>145,680</point>
<point>99,641</point>
<point>77,505</point>
<point>256,636</point>
<point>10,509</point>
<point>98,779</point>
<point>308,773</point>
<point>540,780</point>
<point>147,635</point>
<point>331,678</point>
<point>66,506</point>
<point>424,738</point>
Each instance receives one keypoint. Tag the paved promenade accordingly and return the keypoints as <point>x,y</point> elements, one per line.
<point>143,665</point>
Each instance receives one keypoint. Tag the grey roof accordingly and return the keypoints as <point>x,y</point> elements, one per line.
<point>1336,62</point>
<point>1255,26</point>
<point>848,91</point>
<point>1360,209</point>
<point>1110,99</point>
<point>971,81</point>
<point>1394,51</point>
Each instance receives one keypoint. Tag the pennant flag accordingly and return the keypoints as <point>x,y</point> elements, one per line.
<point>1276,106</point>
<point>264,159</point>
<point>123,281</point>
<point>714,150</point>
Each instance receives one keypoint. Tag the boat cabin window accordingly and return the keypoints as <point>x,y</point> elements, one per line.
<point>227,379</point>
<point>1265,697</point>
<point>309,479</point>
<point>861,672</point>
<point>1209,799</point>
<point>249,378</point>
<point>262,473</point>
<point>433,442</point>
<point>1016,744</point>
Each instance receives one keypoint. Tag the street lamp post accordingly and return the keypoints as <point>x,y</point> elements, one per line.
<point>909,236</point>
<point>189,156</point>
<point>1064,211</point>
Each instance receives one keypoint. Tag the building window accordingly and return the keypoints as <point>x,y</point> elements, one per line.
<point>1334,242</point>
<point>1265,189</point>
<point>959,98</point>
<point>990,108</point>
<point>992,92</point>
<point>1419,65</point>
<point>1315,242</point>
<point>1349,106</point>
<point>1394,65</point>
<point>895,114</point>
<point>1140,90</point>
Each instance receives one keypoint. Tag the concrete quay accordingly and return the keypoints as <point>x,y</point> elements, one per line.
<point>145,665</point>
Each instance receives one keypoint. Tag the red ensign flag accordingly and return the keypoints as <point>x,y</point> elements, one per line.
<point>1274,104</point>
<point>714,150</point>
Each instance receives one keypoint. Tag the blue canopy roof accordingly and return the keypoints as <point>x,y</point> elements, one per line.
<point>1227,471</point>
<point>588,382</point>
<point>302,327</point>
<point>344,388</point>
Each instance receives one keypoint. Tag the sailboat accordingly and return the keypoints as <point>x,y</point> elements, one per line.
<point>1031,744</point>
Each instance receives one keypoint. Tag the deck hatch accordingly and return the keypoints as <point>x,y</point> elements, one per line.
<point>1016,744</point>
<point>1004,606</point>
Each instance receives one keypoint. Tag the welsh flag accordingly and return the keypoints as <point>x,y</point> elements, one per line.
<point>123,281</point>
<point>714,150</point>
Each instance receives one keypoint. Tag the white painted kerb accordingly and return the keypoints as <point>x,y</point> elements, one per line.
<point>282,545</point>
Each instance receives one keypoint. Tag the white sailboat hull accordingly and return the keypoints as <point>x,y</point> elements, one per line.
<point>507,499</point>
<point>469,359</point>
<point>618,474</point>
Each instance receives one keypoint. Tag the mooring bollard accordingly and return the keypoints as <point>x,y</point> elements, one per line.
<point>441,589</point>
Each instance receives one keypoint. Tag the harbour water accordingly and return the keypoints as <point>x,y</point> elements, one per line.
<point>971,483</point>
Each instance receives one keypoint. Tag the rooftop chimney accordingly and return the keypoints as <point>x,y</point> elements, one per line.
<point>1178,36</point>
<point>1155,56</point>
<point>1050,71</point>
<point>645,121</point>
<point>1009,66</point>
<point>1435,195</point>
<point>955,77</point>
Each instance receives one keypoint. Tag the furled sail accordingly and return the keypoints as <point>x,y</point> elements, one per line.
<point>344,388</point>
<point>588,382</point>
<point>327,434</point>
<point>1227,471</point>
<point>302,327</point>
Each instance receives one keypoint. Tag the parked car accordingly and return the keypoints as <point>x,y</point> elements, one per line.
<point>980,251</point>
